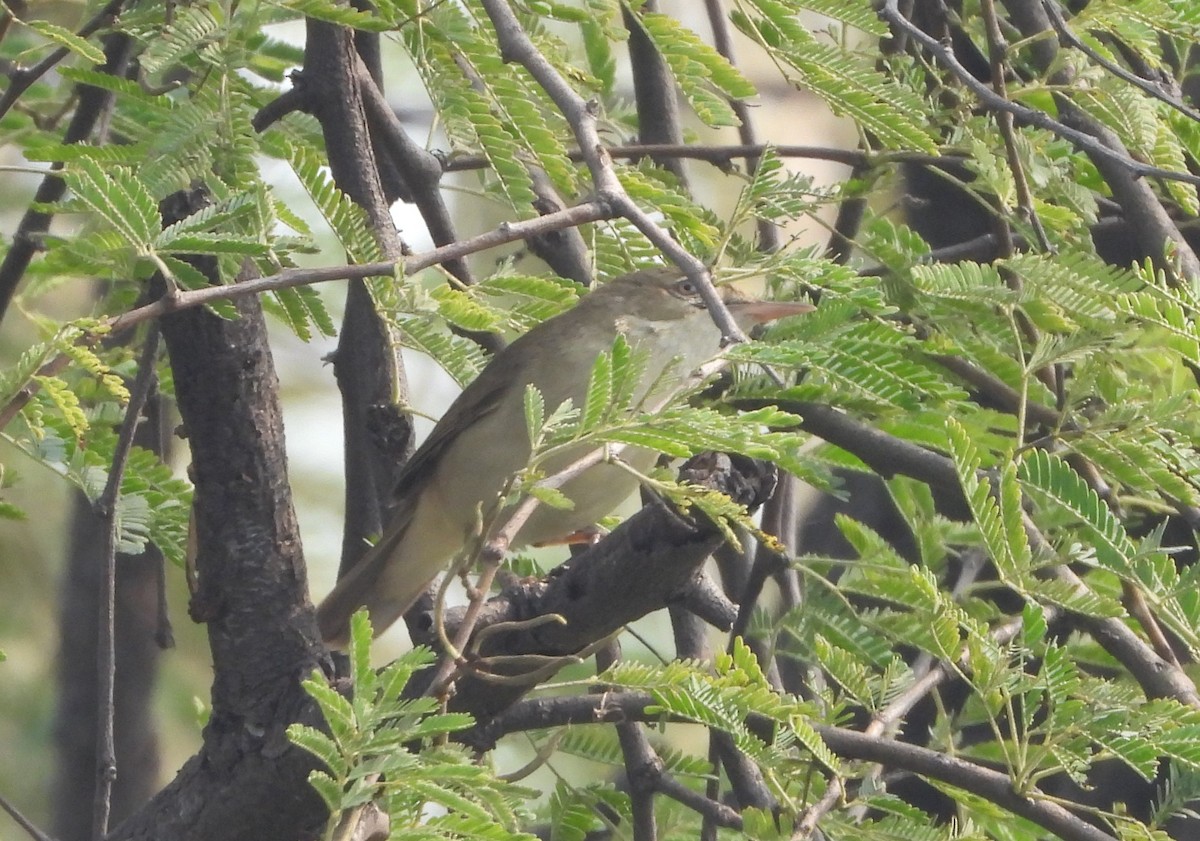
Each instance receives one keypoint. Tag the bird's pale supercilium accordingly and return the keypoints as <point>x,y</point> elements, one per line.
<point>481,441</point>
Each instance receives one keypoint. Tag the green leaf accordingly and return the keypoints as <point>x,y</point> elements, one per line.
<point>999,515</point>
<point>698,68</point>
<point>66,38</point>
<point>361,673</point>
<point>846,81</point>
<point>599,399</point>
<point>338,712</point>
<point>333,12</point>
<point>316,743</point>
<point>192,29</point>
<point>119,198</point>
<point>552,497</point>
<point>464,309</point>
<point>327,788</point>
<point>1053,480</point>
<point>535,415</point>
<point>347,219</point>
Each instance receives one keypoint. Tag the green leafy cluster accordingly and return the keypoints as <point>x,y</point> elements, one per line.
<point>726,697</point>
<point>370,752</point>
<point>621,408</point>
<point>1057,392</point>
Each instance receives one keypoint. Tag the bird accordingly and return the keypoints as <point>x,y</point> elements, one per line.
<point>482,439</point>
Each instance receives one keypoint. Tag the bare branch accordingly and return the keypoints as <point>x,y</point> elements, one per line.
<point>515,45</point>
<point>106,507</point>
<point>21,79</point>
<point>1069,39</point>
<point>1083,140</point>
<point>24,822</point>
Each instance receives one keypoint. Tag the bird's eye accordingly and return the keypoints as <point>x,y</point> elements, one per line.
<point>687,287</point>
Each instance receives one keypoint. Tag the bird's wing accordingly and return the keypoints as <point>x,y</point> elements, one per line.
<point>359,586</point>
<point>355,589</point>
<point>477,401</point>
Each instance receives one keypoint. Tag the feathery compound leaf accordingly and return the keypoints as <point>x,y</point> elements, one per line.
<point>472,115</point>
<point>1129,21</point>
<point>1078,285</point>
<point>120,199</point>
<point>529,300</point>
<point>866,364</point>
<point>688,219</point>
<point>535,415</point>
<point>66,38</point>
<point>598,49</point>
<point>998,517</point>
<point>192,29</point>
<point>127,91</point>
<point>773,193</point>
<point>1055,480</point>
<point>305,309</point>
<point>847,82</point>
<point>1172,313</point>
<point>319,745</point>
<point>200,242</point>
<point>461,358</point>
<point>976,284</point>
<point>516,99</point>
<point>347,219</point>
<point>334,12</point>
<point>856,13</point>
<point>599,399</point>
<point>462,308</point>
<point>164,502</point>
<point>698,68</point>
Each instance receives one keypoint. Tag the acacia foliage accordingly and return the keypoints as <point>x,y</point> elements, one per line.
<point>1018,301</point>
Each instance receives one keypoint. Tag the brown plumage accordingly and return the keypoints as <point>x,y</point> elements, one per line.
<point>481,440</point>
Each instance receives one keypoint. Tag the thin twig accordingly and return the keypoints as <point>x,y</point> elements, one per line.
<point>969,776</point>
<point>21,79</point>
<point>1159,678</point>
<point>492,553</point>
<point>722,154</point>
<point>642,764</point>
<point>24,822</point>
<point>507,232</point>
<point>1069,39</point>
<point>998,391</point>
<point>889,456</point>
<point>516,46</point>
<point>1039,119</point>
<point>106,507</point>
<point>997,53</point>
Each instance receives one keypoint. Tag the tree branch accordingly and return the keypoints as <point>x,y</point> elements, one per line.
<point>30,828</point>
<point>106,657</point>
<point>516,46</point>
<point>1083,140</point>
<point>251,591</point>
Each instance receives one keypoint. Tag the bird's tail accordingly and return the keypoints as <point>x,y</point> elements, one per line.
<point>362,587</point>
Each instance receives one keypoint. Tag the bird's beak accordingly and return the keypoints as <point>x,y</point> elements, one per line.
<point>753,311</point>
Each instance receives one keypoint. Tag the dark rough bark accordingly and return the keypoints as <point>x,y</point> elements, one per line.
<point>368,370</point>
<point>137,653</point>
<point>137,656</point>
<point>247,782</point>
<point>646,564</point>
